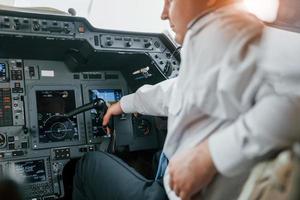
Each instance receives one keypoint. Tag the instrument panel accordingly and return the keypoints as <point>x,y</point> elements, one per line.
<point>50,65</point>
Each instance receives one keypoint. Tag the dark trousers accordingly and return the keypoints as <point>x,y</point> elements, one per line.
<point>102,176</point>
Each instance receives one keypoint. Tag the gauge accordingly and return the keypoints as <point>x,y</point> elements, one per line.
<point>2,140</point>
<point>60,131</point>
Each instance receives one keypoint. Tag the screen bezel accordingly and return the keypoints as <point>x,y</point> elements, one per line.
<point>36,144</point>
<point>114,85</point>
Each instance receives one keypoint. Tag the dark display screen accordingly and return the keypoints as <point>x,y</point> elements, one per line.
<point>31,171</point>
<point>52,103</point>
<point>55,101</point>
<point>3,72</point>
<point>108,95</point>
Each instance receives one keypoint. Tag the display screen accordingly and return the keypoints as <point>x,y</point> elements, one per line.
<point>110,96</point>
<point>3,72</point>
<point>52,103</point>
<point>31,171</point>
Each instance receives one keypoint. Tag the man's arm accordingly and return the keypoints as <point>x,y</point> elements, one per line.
<point>150,99</point>
<point>272,124</point>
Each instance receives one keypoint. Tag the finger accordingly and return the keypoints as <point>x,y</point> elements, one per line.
<point>171,182</point>
<point>106,119</point>
<point>177,190</point>
<point>184,196</point>
<point>171,175</point>
<point>108,131</point>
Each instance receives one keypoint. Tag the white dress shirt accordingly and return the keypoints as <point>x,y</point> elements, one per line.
<point>226,91</point>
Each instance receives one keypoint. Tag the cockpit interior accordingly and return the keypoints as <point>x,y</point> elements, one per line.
<point>57,64</point>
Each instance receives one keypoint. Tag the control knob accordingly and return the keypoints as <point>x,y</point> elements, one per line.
<point>109,43</point>
<point>128,44</point>
<point>168,68</point>
<point>148,44</point>
<point>36,26</point>
<point>17,25</point>
<point>67,30</point>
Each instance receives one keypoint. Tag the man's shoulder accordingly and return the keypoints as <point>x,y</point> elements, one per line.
<point>228,24</point>
<point>223,32</point>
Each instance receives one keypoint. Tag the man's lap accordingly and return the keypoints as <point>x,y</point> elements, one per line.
<point>100,175</point>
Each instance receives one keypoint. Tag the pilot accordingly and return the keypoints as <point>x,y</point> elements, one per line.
<point>225,112</point>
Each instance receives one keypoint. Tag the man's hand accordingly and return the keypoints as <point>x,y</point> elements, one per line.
<point>114,109</point>
<point>191,171</point>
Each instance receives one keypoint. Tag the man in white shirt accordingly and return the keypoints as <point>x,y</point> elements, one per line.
<point>224,110</point>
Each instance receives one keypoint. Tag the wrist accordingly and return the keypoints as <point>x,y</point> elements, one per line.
<point>127,103</point>
<point>203,151</point>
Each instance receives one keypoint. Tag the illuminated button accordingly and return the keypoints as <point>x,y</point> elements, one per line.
<point>81,28</point>
<point>91,148</point>
<point>17,153</point>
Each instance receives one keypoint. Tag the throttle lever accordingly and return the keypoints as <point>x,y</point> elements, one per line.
<point>98,104</point>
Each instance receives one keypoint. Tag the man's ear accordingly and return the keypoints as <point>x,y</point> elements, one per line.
<point>211,3</point>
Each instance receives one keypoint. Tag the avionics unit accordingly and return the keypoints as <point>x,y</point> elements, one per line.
<point>111,93</point>
<point>33,175</point>
<point>110,96</point>
<point>47,102</point>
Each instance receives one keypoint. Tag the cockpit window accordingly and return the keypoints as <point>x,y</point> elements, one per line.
<point>144,15</point>
<point>128,15</point>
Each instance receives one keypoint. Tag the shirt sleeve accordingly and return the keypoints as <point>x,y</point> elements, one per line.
<point>273,123</point>
<point>150,99</point>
